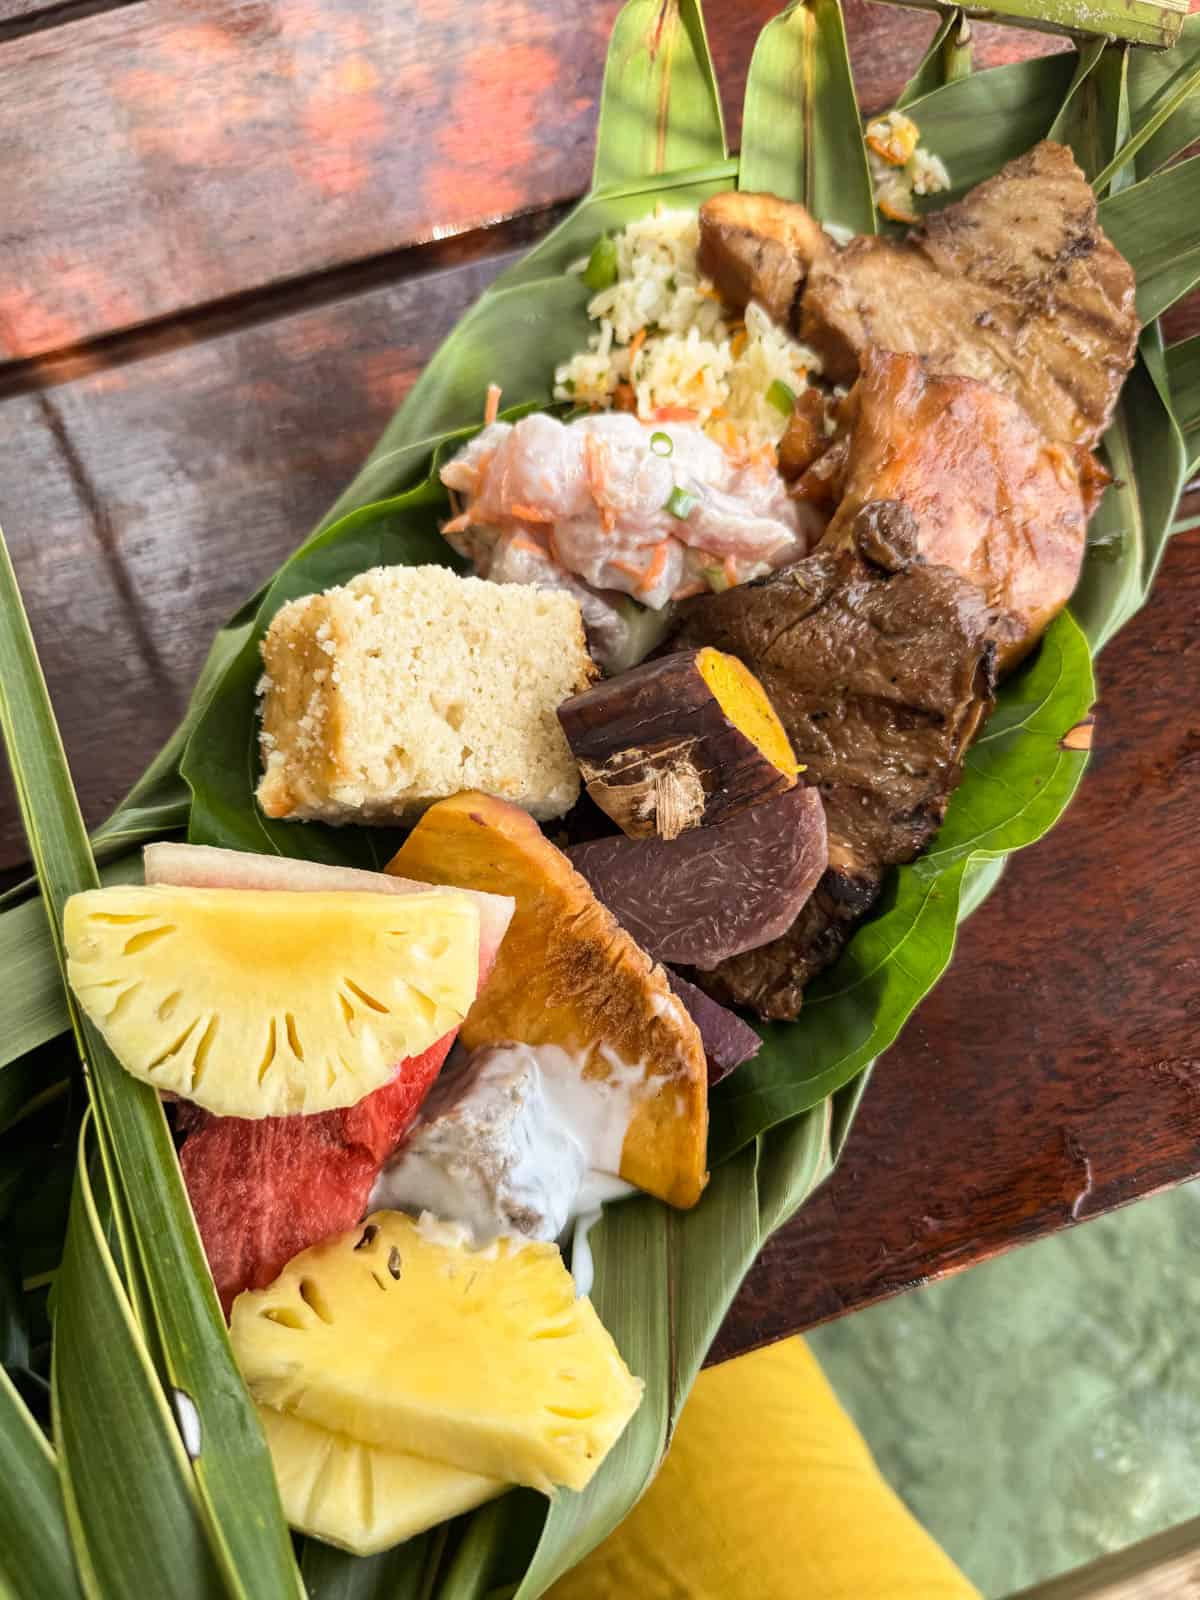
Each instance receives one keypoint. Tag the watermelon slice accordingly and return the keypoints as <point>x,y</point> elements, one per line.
<point>264,1190</point>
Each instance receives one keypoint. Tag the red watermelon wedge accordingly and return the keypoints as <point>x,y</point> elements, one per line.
<point>264,1190</point>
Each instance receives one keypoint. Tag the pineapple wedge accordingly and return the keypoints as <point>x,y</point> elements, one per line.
<point>360,1497</point>
<point>400,1334</point>
<point>268,1003</point>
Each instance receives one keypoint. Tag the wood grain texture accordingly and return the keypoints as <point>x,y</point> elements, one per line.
<point>160,157</point>
<point>1054,1073</point>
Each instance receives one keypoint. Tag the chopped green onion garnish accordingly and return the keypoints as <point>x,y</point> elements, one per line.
<point>601,270</point>
<point>661,444</point>
<point>680,503</point>
<point>781,397</point>
<point>717,580</point>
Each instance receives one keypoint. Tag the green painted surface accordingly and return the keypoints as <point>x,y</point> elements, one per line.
<point>1044,1408</point>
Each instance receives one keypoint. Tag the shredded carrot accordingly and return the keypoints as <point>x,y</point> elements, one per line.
<point>595,455</point>
<point>635,345</point>
<point>675,414</point>
<point>655,570</point>
<point>738,343</point>
<point>492,409</point>
<point>627,568</point>
<point>529,513</point>
<point>709,291</point>
<point>686,591</point>
<point>729,568</point>
<point>520,542</point>
<point>717,414</point>
<point>459,523</point>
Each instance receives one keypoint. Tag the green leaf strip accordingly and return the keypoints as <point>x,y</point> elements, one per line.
<point>660,108</point>
<point>233,1471</point>
<point>801,133</point>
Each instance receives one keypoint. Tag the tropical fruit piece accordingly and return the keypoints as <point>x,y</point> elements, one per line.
<point>262,1191</point>
<point>400,1334</point>
<point>205,866</point>
<point>269,1003</point>
<point>568,975</point>
<point>359,1496</point>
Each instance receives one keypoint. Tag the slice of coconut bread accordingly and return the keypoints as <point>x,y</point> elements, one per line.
<point>409,684</point>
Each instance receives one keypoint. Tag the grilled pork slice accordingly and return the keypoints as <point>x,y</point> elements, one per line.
<point>881,668</point>
<point>989,495</point>
<point>758,247</point>
<point>1016,285</point>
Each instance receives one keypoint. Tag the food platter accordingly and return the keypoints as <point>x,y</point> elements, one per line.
<point>665,1278</point>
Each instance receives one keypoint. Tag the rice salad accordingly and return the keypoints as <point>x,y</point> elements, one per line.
<point>666,349</point>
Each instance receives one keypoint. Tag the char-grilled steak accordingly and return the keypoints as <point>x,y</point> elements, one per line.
<point>1016,285</point>
<point>989,495</point>
<point>882,668</point>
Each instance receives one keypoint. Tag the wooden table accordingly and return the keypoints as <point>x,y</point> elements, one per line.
<point>230,235</point>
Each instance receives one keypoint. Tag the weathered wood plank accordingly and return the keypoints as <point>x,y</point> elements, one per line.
<point>159,157</point>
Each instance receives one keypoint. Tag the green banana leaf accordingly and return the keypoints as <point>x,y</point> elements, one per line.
<point>664,1279</point>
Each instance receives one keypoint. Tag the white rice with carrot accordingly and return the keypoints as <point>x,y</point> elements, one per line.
<point>665,348</point>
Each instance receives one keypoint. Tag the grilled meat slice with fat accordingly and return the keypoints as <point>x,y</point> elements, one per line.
<point>989,495</point>
<point>1016,285</point>
<point>882,668</point>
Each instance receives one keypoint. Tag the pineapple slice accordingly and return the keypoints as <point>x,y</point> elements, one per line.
<point>400,1334</point>
<point>360,1497</point>
<point>268,1003</point>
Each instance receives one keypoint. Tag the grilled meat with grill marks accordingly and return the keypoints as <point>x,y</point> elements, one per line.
<point>1016,285</point>
<point>881,668</point>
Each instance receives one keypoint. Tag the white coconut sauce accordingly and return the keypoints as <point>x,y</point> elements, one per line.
<point>518,1141</point>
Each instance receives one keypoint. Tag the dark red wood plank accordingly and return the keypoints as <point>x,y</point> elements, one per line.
<point>1054,1073</point>
<point>159,157</point>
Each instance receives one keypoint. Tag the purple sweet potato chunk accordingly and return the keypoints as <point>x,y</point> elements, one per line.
<point>727,1040</point>
<point>712,892</point>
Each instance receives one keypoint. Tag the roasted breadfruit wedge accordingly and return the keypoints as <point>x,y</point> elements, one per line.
<point>568,975</point>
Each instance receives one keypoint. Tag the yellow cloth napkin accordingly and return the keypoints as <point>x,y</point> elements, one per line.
<point>768,1493</point>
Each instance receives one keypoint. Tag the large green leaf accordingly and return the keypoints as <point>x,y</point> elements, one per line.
<point>35,1550</point>
<point>404,1573</point>
<point>660,108</point>
<point>1091,117</point>
<point>801,134</point>
<point>979,122</point>
<point>232,1472</point>
<point>1155,224</point>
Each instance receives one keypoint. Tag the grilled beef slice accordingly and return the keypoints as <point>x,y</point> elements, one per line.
<point>881,668</point>
<point>1016,285</point>
<point>990,496</point>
